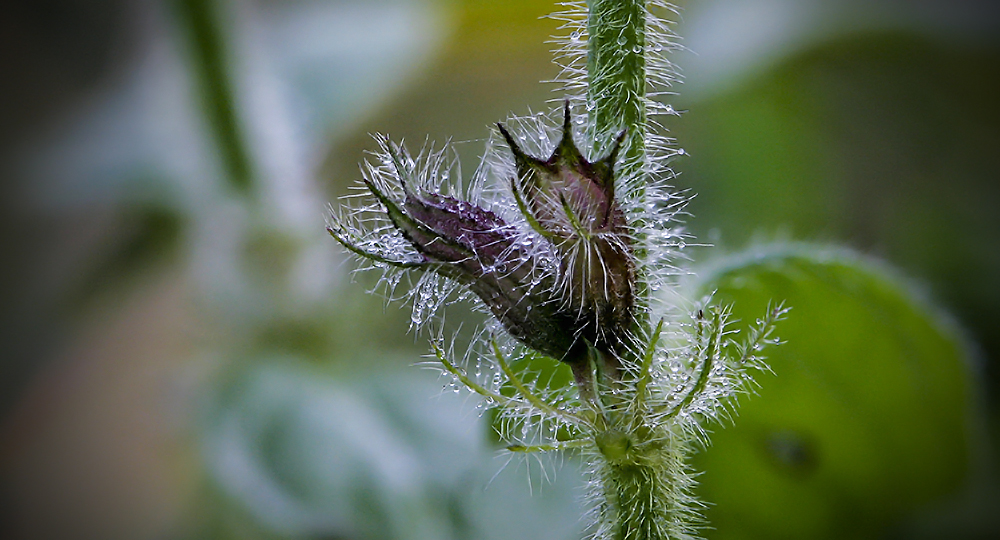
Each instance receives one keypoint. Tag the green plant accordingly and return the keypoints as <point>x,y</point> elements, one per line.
<point>568,236</point>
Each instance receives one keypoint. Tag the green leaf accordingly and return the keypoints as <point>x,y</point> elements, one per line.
<point>867,416</point>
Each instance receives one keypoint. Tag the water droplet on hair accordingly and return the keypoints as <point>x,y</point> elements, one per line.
<point>622,40</point>
<point>575,35</point>
<point>637,49</point>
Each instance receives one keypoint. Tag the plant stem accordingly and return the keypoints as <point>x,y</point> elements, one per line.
<point>636,497</point>
<point>616,71</point>
<point>638,483</point>
<point>199,19</point>
<point>636,491</point>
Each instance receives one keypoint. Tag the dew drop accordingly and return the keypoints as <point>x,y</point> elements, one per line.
<point>637,49</point>
<point>575,36</point>
<point>622,40</point>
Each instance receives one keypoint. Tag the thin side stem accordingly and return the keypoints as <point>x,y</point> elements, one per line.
<point>559,446</point>
<point>711,351</point>
<point>645,369</point>
<point>528,394</point>
<point>464,378</point>
<point>200,21</point>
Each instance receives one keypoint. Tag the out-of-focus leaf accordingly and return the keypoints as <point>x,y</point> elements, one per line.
<point>308,455</point>
<point>884,140</point>
<point>867,417</point>
<point>388,456</point>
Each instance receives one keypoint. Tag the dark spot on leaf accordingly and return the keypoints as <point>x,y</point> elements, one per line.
<point>792,452</point>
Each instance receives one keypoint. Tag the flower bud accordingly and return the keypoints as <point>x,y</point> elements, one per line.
<point>571,202</point>
<point>475,247</point>
<point>562,291</point>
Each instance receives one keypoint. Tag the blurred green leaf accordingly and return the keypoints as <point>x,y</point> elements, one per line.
<point>886,140</point>
<point>867,417</point>
<point>294,452</point>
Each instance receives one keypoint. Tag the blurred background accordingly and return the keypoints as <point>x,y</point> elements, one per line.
<point>186,354</point>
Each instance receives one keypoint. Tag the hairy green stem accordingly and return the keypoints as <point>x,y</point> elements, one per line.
<point>635,492</point>
<point>616,100</point>
<point>616,72</point>
<point>637,482</point>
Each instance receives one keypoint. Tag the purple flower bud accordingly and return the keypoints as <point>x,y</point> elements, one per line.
<point>561,291</point>
<point>571,202</point>
<point>475,247</point>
